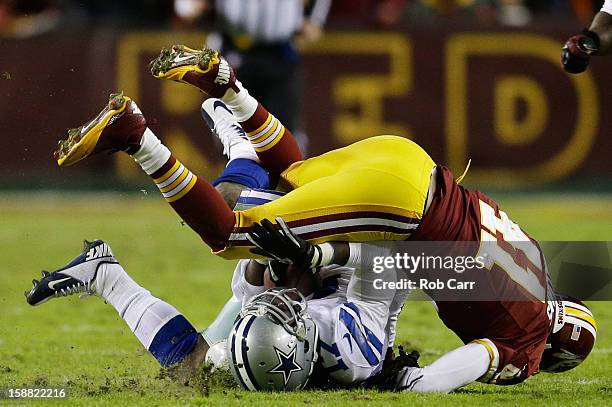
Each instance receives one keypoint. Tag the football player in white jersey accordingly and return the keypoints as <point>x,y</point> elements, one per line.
<point>594,41</point>
<point>276,337</point>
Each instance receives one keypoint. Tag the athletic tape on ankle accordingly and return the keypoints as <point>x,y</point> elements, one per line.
<point>327,254</point>
<point>152,154</point>
<point>242,104</point>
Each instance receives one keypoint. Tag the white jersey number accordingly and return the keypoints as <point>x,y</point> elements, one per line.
<point>514,252</point>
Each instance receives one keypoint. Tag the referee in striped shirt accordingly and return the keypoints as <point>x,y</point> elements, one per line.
<point>259,37</point>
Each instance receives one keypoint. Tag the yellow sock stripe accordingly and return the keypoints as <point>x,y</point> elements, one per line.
<point>489,349</point>
<point>267,134</point>
<point>489,376</point>
<point>168,174</point>
<point>260,128</point>
<point>272,143</point>
<point>176,182</point>
<point>187,188</point>
<point>580,314</point>
<point>176,190</point>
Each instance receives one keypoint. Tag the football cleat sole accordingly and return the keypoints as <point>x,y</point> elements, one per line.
<point>174,63</point>
<point>82,140</point>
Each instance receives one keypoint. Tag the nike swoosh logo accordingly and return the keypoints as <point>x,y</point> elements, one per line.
<point>222,105</point>
<point>348,338</point>
<point>53,283</point>
<point>183,58</point>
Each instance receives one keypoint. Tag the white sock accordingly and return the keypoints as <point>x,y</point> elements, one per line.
<point>242,104</point>
<point>144,314</point>
<point>152,153</point>
<point>455,369</point>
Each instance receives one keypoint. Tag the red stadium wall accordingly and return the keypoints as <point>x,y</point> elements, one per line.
<point>499,98</point>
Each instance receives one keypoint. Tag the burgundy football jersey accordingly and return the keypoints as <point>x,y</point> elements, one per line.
<point>516,318</point>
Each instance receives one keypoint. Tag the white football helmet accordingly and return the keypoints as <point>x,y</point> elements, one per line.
<point>274,342</point>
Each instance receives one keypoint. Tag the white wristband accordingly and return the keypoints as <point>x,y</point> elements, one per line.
<point>326,252</point>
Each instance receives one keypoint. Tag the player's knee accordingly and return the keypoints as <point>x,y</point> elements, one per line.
<point>230,192</point>
<point>174,341</point>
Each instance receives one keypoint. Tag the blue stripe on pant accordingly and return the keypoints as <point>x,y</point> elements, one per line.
<point>175,340</point>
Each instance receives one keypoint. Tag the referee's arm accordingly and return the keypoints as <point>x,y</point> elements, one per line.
<point>316,11</point>
<point>314,18</point>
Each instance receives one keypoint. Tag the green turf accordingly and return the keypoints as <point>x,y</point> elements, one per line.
<point>83,345</point>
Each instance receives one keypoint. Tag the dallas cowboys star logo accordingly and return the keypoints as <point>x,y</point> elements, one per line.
<point>286,364</point>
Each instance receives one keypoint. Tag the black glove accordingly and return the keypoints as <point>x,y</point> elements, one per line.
<point>406,359</point>
<point>577,51</point>
<point>386,379</point>
<point>281,244</point>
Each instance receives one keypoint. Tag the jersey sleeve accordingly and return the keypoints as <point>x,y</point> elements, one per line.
<point>241,288</point>
<point>607,7</point>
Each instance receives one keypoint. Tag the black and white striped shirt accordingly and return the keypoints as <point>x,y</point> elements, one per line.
<point>271,20</point>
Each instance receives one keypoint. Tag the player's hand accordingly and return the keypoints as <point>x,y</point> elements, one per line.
<point>406,359</point>
<point>577,52</point>
<point>392,367</point>
<point>280,243</point>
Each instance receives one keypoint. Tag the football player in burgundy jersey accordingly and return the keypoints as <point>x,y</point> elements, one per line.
<point>527,330</point>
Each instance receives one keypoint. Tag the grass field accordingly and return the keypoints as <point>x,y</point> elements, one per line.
<point>83,345</point>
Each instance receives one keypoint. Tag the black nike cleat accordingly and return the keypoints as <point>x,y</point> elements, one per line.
<point>76,277</point>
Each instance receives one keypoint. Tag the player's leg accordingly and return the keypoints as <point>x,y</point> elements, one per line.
<point>122,127</point>
<point>243,171</point>
<point>209,72</point>
<point>455,369</point>
<point>360,330</point>
<point>160,327</point>
<point>196,201</point>
<point>387,204</point>
<point>278,152</point>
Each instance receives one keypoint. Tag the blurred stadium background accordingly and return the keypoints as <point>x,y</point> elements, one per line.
<point>475,79</point>
<point>466,79</point>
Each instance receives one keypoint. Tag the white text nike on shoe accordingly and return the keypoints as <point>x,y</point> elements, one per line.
<point>78,276</point>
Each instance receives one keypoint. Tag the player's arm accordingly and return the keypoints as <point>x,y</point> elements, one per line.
<point>602,26</point>
<point>280,243</point>
<point>597,40</point>
<point>248,280</point>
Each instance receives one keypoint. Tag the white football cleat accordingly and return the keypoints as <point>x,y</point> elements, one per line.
<point>226,128</point>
